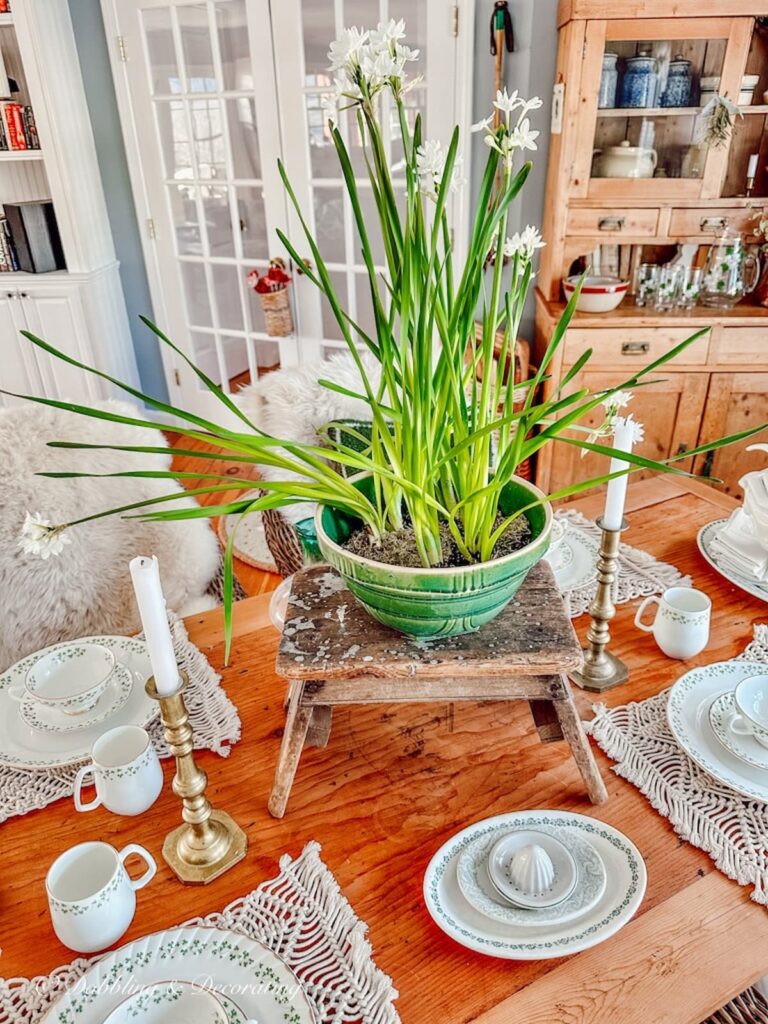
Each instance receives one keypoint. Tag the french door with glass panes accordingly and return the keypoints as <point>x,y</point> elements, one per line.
<point>211,94</point>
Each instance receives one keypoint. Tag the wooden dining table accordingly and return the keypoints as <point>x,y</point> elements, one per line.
<point>396,781</point>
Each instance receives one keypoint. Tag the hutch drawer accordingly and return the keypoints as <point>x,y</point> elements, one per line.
<point>632,346</point>
<point>587,221</point>
<point>706,222</point>
<point>743,345</point>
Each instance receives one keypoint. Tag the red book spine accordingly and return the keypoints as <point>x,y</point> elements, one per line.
<point>15,124</point>
<point>5,6</point>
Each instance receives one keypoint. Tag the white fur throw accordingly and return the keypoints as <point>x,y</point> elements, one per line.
<point>87,588</point>
<point>290,404</point>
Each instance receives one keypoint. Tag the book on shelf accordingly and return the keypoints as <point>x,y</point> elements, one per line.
<point>7,243</point>
<point>3,136</point>
<point>35,236</point>
<point>30,128</point>
<point>5,6</point>
<point>19,127</point>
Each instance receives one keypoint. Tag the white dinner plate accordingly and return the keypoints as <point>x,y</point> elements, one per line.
<point>48,719</point>
<point>451,912</point>
<point>704,540</point>
<point>574,561</point>
<point>233,966</point>
<point>23,747</point>
<point>746,748</point>
<point>688,714</point>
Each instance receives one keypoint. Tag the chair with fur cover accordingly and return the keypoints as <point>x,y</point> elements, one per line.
<point>86,589</point>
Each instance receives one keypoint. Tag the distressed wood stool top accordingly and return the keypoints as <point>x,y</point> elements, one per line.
<point>328,635</point>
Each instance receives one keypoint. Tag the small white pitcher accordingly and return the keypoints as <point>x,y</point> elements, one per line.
<point>126,770</point>
<point>681,626</point>
<point>91,897</point>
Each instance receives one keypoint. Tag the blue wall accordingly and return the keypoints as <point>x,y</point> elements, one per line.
<point>102,105</point>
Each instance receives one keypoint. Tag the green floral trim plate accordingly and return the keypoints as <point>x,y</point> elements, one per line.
<point>22,747</point>
<point>625,871</point>
<point>45,719</point>
<point>688,716</point>
<point>253,979</point>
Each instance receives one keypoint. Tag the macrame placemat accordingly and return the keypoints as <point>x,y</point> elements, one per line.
<point>729,827</point>
<point>302,916</point>
<point>639,575</point>
<point>214,718</point>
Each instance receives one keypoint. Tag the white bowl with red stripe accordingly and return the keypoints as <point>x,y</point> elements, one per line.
<point>598,294</point>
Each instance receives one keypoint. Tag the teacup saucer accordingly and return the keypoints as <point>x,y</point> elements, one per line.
<point>44,719</point>
<point>500,858</point>
<point>479,891</point>
<point>746,748</point>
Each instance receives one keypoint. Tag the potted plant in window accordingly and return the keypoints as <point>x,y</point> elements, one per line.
<point>428,524</point>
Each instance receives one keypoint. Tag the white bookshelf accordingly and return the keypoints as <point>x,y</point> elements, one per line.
<point>80,309</point>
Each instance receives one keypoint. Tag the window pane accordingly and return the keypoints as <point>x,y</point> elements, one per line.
<point>267,356</point>
<point>258,324</point>
<point>218,220</point>
<point>196,294</point>
<point>372,226</point>
<point>204,356</point>
<point>236,361</point>
<point>174,139</point>
<point>196,47</point>
<point>226,290</point>
<point>243,138</point>
<point>319,24</point>
<point>364,315</point>
<point>414,14</point>
<point>184,216</point>
<point>330,326</point>
<point>329,224</point>
<point>253,223</point>
<point>161,53</point>
<point>209,138</point>
<point>322,153</point>
<point>234,45</point>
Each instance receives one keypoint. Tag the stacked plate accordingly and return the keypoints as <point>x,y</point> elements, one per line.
<point>38,735</point>
<point>704,539</point>
<point>534,885</point>
<point>572,556</point>
<point>704,717</point>
<point>216,976</point>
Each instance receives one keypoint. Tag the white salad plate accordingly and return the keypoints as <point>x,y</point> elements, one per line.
<point>171,1002</point>
<point>746,748</point>
<point>574,561</point>
<point>38,716</point>
<point>704,539</point>
<point>235,968</point>
<point>24,747</point>
<point>626,880</point>
<point>543,893</point>
<point>478,889</point>
<point>688,714</point>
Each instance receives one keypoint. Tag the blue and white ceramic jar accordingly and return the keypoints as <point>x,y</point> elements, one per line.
<point>608,81</point>
<point>678,89</point>
<point>638,87</point>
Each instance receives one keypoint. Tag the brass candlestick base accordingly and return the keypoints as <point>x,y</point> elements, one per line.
<point>602,670</point>
<point>209,842</point>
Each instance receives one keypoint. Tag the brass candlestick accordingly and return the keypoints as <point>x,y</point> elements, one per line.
<point>209,842</point>
<point>603,670</point>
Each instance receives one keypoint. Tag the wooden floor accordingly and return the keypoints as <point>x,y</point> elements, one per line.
<point>254,581</point>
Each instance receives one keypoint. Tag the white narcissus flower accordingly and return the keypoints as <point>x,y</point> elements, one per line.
<point>505,102</point>
<point>346,49</point>
<point>481,126</point>
<point>430,164</point>
<point>383,34</point>
<point>638,430</point>
<point>40,537</point>
<point>618,400</point>
<point>524,242</point>
<point>522,135</point>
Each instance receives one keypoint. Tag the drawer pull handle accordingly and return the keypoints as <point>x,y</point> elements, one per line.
<point>611,223</point>
<point>713,223</point>
<point>631,348</point>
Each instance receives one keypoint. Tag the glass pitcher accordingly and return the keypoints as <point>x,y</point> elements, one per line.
<point>729,273</point>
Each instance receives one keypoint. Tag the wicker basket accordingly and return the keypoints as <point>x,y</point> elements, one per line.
<point>277,313</point>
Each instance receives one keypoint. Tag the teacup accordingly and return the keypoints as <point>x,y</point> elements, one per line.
<point>751,716</point>
<point>125,770</point>
<point>169,1002</point>
<point>70,678</point>
<point>681,626</point>
<point>91,897</point>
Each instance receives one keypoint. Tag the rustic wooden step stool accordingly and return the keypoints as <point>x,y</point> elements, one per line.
<point>333,652</point>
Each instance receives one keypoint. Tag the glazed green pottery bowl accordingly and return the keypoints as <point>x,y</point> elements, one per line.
<point>437,602</point>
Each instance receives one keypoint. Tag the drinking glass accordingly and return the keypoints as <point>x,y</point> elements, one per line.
<point>690,287</point>
<point>666,292</point>
<point>647,283</point>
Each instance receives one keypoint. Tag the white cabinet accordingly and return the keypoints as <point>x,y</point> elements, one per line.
<point>80,310</point>
<point>55,311</point>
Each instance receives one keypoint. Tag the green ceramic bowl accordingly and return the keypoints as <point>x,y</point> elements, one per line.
<point>436,602</point>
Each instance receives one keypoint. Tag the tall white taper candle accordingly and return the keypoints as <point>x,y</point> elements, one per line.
<point>145,574</point>
<point>616,494</point>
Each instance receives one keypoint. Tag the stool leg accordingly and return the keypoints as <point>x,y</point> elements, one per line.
<point>296,725</point>
<point>320,725</point>
<point>582,752</point>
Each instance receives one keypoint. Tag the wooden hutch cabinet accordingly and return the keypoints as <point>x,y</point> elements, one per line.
<point>720,384</point>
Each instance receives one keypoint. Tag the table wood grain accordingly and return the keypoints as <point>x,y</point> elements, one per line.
<point>396,781</point>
